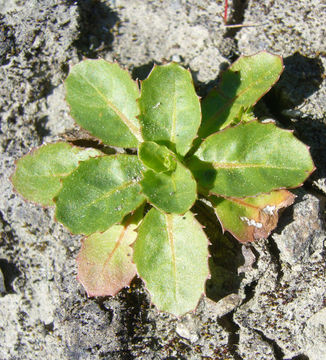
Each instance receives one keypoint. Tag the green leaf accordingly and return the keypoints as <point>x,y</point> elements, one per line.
<point>102,98</point>
<point>251,218</point>
<point>157,157</point>
<point>99,193</point>
<point>242,85</point>
<point>171,256</point>
<point>105,263</point>
<point>249,159</point>
<point>173,192</point>
<point>244,115</point>
<point>170,109</point>
<point>37,175</point>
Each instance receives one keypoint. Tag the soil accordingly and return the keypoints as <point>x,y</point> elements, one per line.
<point>264,301</point>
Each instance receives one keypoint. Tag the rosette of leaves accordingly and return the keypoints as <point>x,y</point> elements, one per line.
<point>178,148</point>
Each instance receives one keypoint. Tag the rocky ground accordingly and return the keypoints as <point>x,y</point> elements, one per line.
<point>265,301</point>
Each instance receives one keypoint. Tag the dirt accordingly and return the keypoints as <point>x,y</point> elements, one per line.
<point>274,306</point>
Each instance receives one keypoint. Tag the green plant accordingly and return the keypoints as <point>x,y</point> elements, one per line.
<point>240,165</point>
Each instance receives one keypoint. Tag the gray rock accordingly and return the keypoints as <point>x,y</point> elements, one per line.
<point>2,284</point>
<point>302,240</point>
<point>289,293</point>
<point>275,304</point>
<point>284,28</point>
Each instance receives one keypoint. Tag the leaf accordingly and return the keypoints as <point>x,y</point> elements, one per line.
<point>102,98</point>
<point>242,85</point>
<point>37,175</point>
<point>171,256</point>
<point>157,157</point>
<point>105,263</point>
<point>249,159</point>
<point>99,193</point>
<point>173,192</point>
<point>170,109</point>
<point>251,218</point>
<point>244,115</point>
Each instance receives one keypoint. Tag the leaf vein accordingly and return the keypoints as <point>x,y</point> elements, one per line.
<point>135,131</point>
<point>169,224</point>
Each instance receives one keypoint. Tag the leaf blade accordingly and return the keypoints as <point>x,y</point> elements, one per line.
<point>103,97</point>
<point>157,157</point>
<point>251,218</point>
<point>174,265</point>
<point>242,85</point>
<point>105,263</point>
<point>173,192</point>
<point>99,193</point>
<point>170,109</point>
<point>249,159</point>
<point>37,174</point>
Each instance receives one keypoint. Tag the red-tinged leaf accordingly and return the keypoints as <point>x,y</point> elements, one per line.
<point>251,218</point>
<point>105,261</point>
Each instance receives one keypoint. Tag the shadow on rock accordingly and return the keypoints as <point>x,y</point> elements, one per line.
<point>302,77</point>
<point>96,23</point>
<point>10,273</point>
<point>225,256</point>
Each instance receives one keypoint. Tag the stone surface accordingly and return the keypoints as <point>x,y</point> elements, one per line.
<point>269,297</point>
<point>292,289</point>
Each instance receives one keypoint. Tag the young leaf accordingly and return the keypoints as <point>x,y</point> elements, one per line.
<point>249,159</point>
<point>105,263</point>
<point>173,192</point>
<point>242,85</point>
<point>157,157</point>
<point>102,98</point>
<point>170,109</point>
<point>37,175</point>
<point>251,218</point>
<point>171,256</point>
<point>99,193</point>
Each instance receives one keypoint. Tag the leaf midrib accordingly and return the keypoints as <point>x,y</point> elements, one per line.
<point>134,130</point>
<point>115,248</point>
<point>218,165</point>
<point>169,225</point>
<point>232,100</point>
<point>109,193</point>
<point>174,115</point>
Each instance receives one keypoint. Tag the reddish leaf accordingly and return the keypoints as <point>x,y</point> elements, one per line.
<point>105,261</point>
<point>251,218</point>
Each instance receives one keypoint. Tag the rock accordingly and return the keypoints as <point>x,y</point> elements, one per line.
<point>2,284</point>
<point>296,27</point>
<point>287,295</point>
<point>274,307</point>
<point>301,241</point>
<point>315,335</point>
<point>199,44</point>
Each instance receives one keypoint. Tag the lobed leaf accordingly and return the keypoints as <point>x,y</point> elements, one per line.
<point>170,109</point>
<point>157,157</point>
<point>99,193</point>
<point>173,192</point>
<point>38,174</point>
<point>105,263</point>
<point>241,86</point>
<point>171,256</point>
<point>249,159</point>
<point>102,98</point>
<point>251,218</point>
